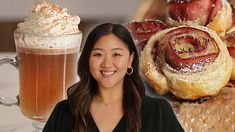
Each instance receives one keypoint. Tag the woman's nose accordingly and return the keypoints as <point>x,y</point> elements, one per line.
<point>107,62</point>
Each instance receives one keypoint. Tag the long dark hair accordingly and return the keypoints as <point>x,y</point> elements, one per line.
<point>81,94</point>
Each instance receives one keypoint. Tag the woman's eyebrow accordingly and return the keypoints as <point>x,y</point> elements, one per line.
<point>100,49</point>
<point>117,49</point>
<point>97,49</point>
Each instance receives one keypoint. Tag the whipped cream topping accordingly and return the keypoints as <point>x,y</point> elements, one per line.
<point>48,19</point>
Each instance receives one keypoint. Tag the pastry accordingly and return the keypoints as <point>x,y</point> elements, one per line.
<point>141,31</point>
<point>229,39</point>
<point>189,61</point>
<point>215,14</point>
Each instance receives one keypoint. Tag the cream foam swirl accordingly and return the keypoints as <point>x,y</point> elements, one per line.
<point>48,19</point>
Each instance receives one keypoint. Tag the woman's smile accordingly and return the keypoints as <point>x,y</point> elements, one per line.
<point>108,73</point>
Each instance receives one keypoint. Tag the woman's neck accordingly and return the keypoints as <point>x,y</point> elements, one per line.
<point>109,95</point>
<point>107,108</point>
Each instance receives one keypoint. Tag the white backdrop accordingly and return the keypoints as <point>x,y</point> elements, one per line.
<point>86,9</point>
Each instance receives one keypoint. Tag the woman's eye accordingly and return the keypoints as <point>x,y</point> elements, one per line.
<point>117,54</point>
<point>97,54</point>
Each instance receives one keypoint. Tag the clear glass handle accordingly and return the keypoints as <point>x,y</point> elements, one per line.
<point>12,61</point>
<point>9,101</point>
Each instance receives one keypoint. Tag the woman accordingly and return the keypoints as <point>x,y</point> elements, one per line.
<point>110,95</point>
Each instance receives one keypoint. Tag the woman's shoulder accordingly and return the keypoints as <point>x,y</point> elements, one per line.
<point>61,118</point>
<point>158,115</point>
<point>63,103</point>
<point>153,101</point>
<point>155,105</point>
<point>62,106</point>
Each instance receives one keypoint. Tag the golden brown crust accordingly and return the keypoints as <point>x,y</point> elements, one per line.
<point>173,23</point>
<point>230,43</point>
<point>152,73</point>
<point>223,20</point>
<point>183,84</point>
<point>232,77</point>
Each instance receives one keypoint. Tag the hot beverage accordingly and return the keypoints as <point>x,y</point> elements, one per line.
<point>44,76</point>
<point>48,45</point>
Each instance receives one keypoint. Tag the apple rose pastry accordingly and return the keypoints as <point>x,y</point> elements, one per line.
<point>229,39</point>
<point>189,61</point>
<point>141,31</point>
<point>215,14</point>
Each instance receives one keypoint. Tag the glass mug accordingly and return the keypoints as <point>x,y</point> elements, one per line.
<point>47,66</point>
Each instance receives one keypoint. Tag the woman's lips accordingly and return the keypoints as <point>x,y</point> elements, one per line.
<point>107,73</point>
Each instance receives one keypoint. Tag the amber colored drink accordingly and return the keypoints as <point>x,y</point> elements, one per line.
<point>45,74</point>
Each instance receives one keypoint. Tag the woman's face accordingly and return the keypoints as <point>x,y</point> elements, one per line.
<point>109,60</point>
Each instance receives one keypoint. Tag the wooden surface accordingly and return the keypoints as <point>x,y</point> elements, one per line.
<point>216,114</point>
